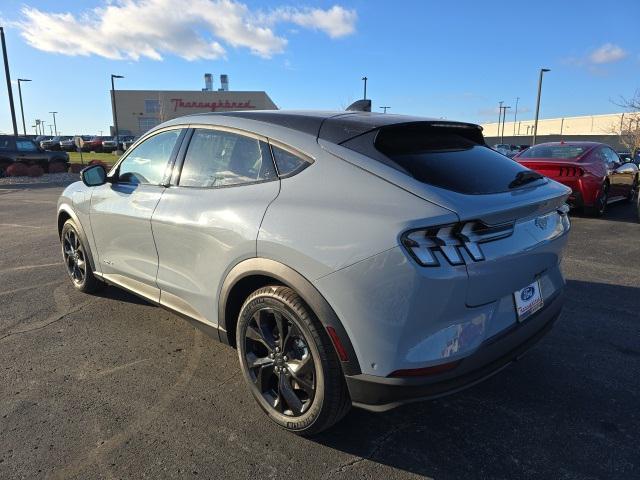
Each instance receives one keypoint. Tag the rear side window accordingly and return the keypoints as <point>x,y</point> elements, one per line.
<point>449,157</point>
<point>216,158</point>
<point>288,164</point>
<point>561,152</point>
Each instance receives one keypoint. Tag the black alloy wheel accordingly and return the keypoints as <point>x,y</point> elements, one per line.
<point>74,257</point>
<point>289,362</point>
<point>280,361</point>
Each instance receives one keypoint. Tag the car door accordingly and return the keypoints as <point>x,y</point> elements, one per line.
<point>29,152</point>
<point>620,179</point>
<point>208,219</point>
<point>121,212</point>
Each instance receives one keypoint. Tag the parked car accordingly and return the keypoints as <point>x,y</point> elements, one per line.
<point>592,170</point>
<point>41,138</point>
<point>16,149</point>
<point>128,142</point>
<point>507,149</point>
<point>93,144</point>
<point>68,145</point>
<point>109,144</point>
<point>350,257</point>
<point>53,143</point>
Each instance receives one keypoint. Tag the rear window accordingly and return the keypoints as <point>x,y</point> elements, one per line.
<point>450,157</point>
<point>561,152</point>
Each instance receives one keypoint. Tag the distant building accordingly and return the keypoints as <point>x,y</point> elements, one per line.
<point>141,110</point>
<point>600,128</point>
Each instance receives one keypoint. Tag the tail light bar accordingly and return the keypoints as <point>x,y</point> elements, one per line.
<point>451,239</point>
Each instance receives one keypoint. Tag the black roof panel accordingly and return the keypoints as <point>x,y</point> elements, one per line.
<point>332,126</point>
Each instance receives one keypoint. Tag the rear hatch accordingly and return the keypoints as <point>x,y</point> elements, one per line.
<point>508,215</point>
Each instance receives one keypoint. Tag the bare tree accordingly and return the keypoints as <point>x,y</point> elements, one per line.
<point>629,127</point>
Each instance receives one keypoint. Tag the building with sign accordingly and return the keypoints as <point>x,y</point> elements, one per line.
<point>141,110</point>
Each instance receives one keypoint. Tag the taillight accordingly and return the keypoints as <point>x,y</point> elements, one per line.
<point>450,240</point>
<point>570,172</point>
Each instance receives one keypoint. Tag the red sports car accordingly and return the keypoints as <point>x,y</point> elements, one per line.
<point>592,170</point>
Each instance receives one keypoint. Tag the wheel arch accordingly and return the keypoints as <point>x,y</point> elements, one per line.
<point>65,213</point>
<point>255,273</point>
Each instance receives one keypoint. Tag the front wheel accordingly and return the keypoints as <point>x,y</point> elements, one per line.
<point>289,363</point>
<point>632,193</point>
<point>74,253</point>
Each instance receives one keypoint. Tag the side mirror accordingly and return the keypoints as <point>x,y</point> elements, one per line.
<point>93,176</point>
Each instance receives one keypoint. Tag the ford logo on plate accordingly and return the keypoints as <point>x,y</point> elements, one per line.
<point>527,293</point>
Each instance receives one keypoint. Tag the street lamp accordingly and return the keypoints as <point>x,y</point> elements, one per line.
<point>504,118</point>
<point>365,87</point>
<point>24,128</point>
<point>8,77</point>
<point>535,124</point>
<point>384,109</point>
<point>499,119</point>
<point>55,126</point>
<point>115,113</point>
<point>515,116</point>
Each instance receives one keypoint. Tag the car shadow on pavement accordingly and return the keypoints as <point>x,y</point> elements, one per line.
<point>616,212</point>
<point>565,410</point>
<point>115,293</point>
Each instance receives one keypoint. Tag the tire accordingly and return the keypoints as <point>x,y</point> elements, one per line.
<point>632,193</point>
<point>600,205</point>
<point>3,169</point>
<point>303,363</point>
<point>74,254</point>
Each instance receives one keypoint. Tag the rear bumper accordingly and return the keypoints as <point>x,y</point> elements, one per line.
<point>383,393</point>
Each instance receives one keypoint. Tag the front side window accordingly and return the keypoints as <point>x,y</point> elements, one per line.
<point>216,158</point>
<point>146,164</point>
<point>26,146</point>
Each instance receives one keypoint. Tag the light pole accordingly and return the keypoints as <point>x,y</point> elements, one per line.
<point>8,76</point>
<point>365,87</point>
<point>42,129</point>
<point>504,118</point>
<point>515,116</point>
<point>384,109</point>
<point>535,124</point>
<point>55,126</point>
<point>499,119</point>
<point>115,113</point>
<point>24,128</point>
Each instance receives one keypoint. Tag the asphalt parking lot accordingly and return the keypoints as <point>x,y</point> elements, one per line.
<point>110,387</point>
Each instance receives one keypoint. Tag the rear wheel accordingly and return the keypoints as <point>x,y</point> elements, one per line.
<point>74,253</point>
<point>600,205</point>
<point>289,362</point>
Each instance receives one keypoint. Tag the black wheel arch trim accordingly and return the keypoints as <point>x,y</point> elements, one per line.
<point>64,210</point>
<point>294,280</point>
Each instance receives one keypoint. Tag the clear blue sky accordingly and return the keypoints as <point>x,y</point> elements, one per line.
<point>432,58</point>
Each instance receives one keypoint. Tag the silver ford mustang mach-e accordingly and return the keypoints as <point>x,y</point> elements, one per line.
<point>351,258</point>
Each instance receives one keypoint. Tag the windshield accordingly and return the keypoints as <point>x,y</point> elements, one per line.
<point>561,152</point>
